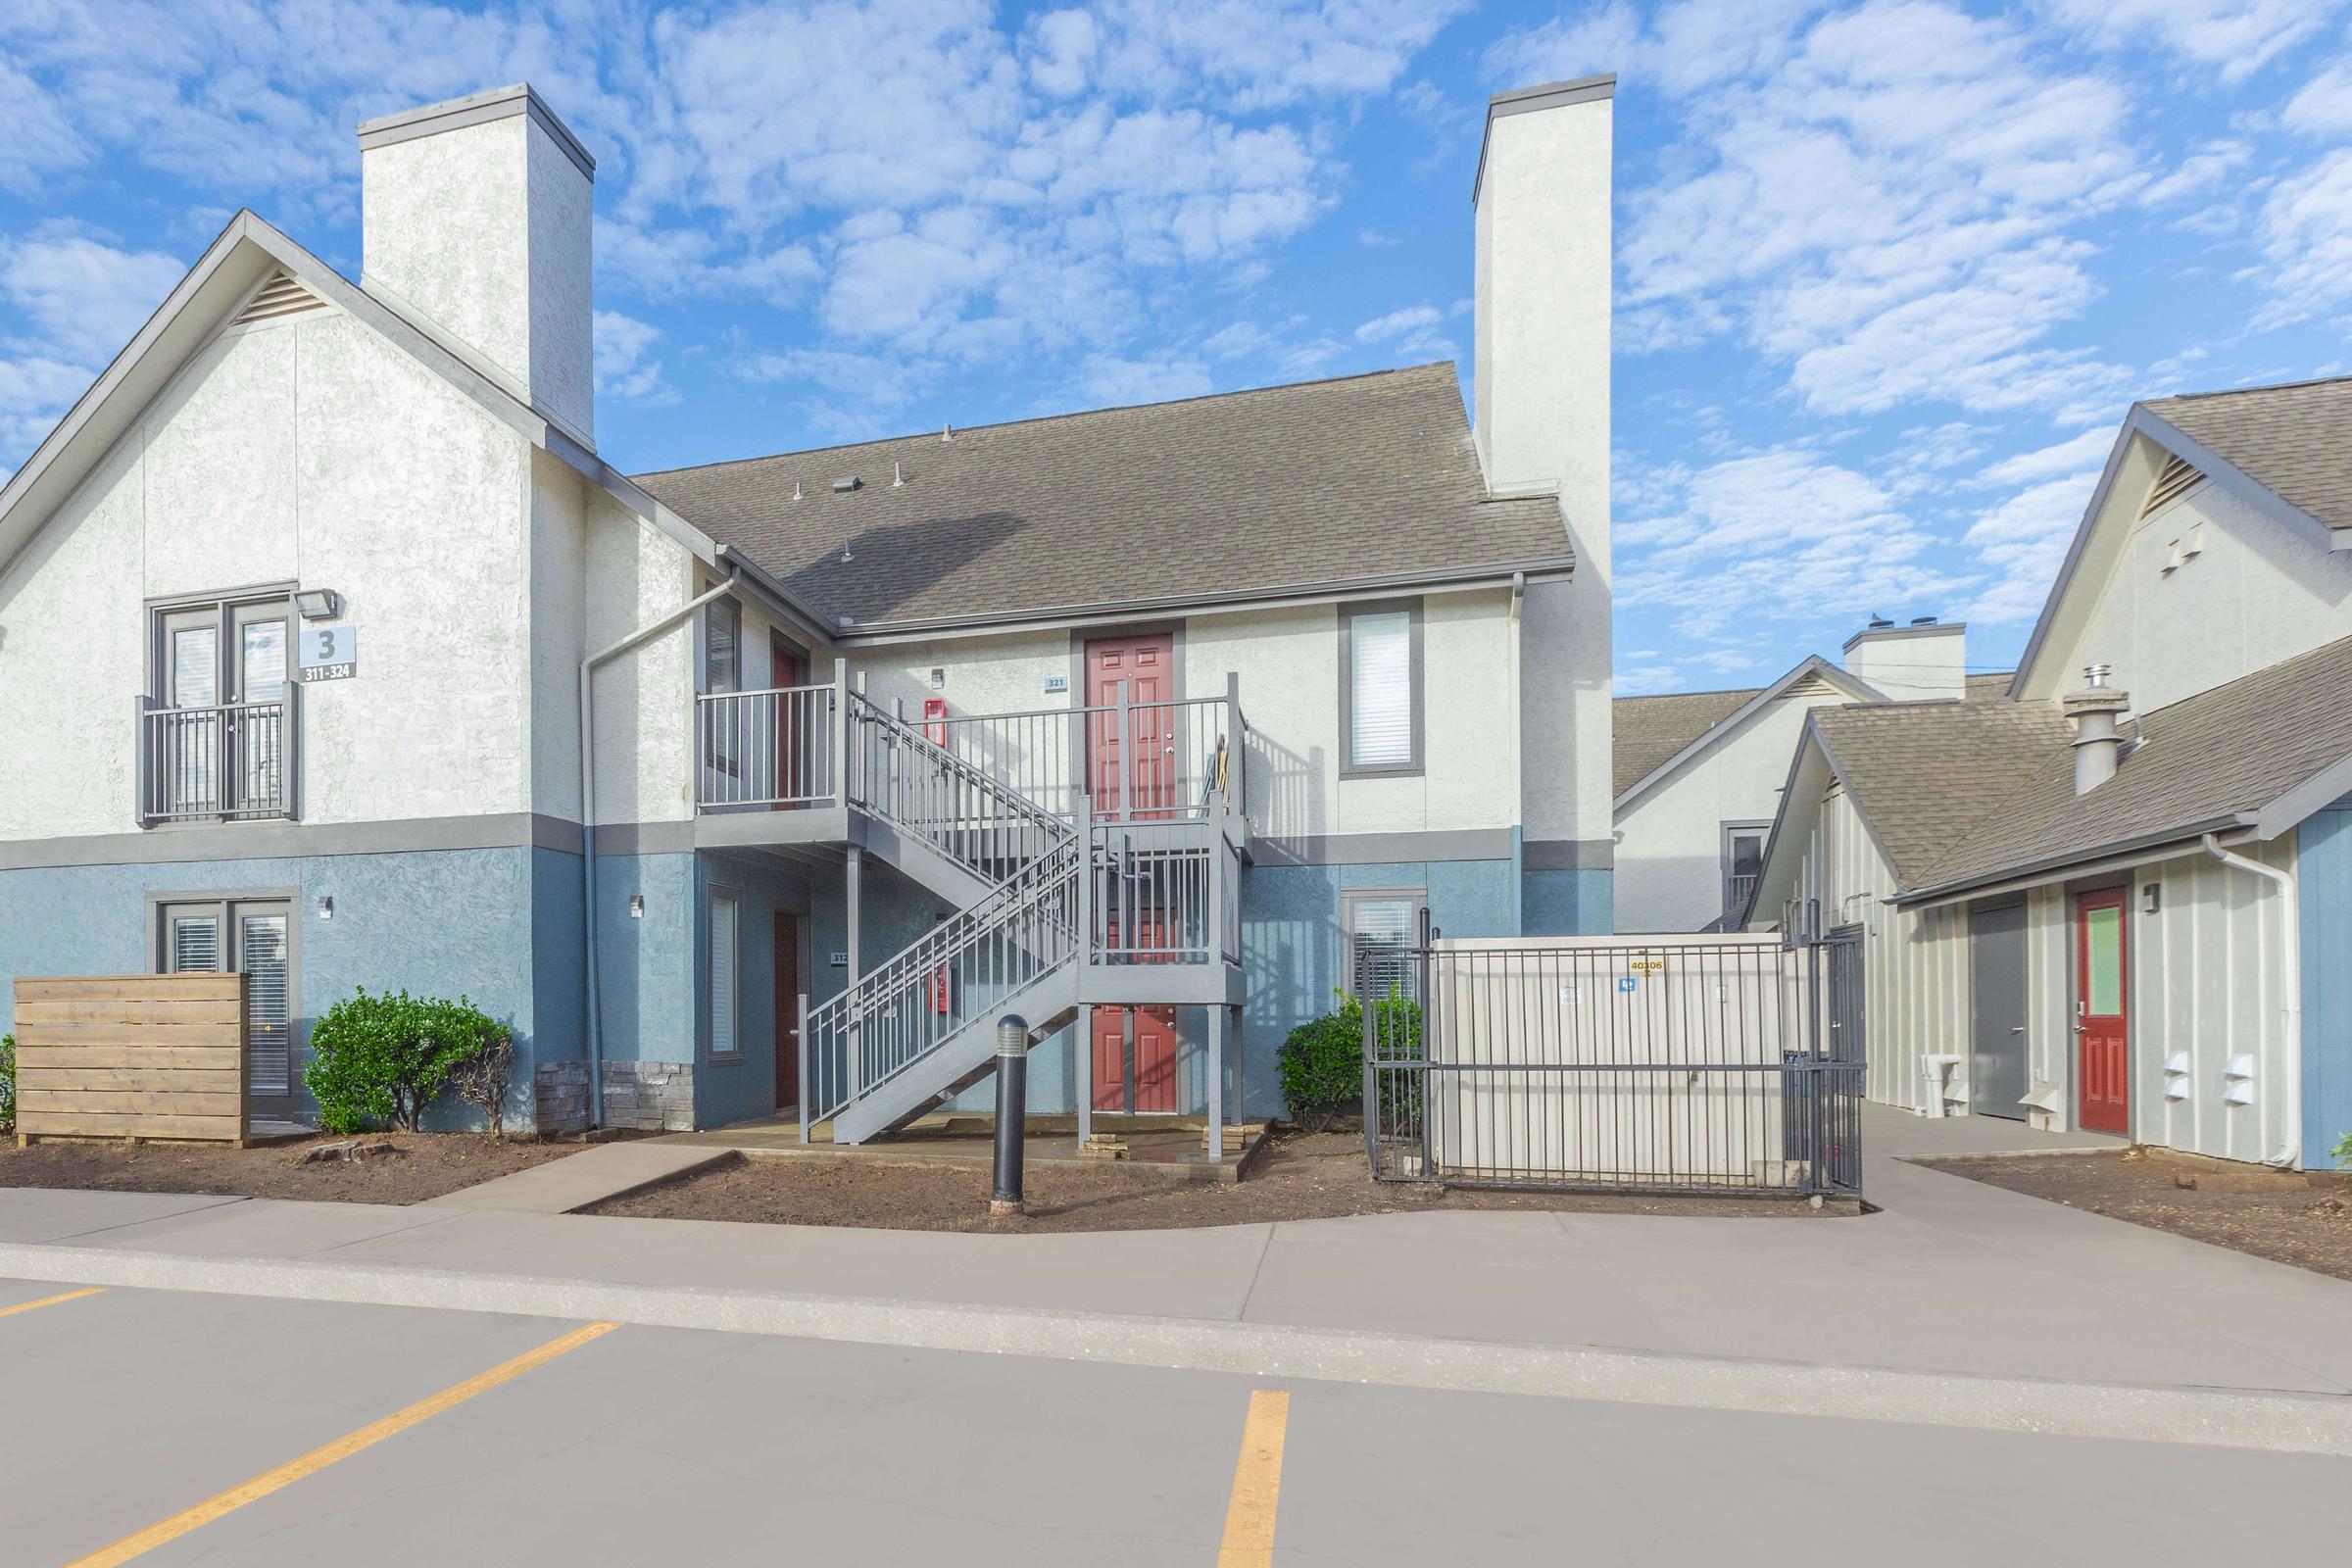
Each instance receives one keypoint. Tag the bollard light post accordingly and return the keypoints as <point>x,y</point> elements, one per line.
<point>1012,1106</point>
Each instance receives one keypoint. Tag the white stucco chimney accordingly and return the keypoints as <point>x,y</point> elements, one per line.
<point>1923,662</point>
<point>476,218</point>
<point>2098,743</point>
<point>1540,407</point>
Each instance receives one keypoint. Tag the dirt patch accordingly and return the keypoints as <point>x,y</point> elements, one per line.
<point>1303,1176</point>
<point>2288,1217</point>
<point>421,1167</point>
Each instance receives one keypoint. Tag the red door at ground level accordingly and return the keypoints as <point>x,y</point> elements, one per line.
<point>1147,665</point>
<point>2102,1014</point>
<point>1153,1069</point>
<point>788,1009</point>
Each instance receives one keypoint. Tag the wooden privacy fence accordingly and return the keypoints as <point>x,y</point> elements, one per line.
<point>141,1055</point>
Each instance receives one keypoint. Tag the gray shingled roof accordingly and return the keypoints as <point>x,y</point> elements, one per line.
<point>2224,752</point>
<point>1926,775</point>
<point>2295,441</point>
<point>1649,730</point>
<point>1368,477</point>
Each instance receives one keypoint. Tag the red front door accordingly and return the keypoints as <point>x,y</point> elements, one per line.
<point>1153,1077</point>
<point>788,1009</point>
<point>1147,668</point>
<point>2102,1014</point>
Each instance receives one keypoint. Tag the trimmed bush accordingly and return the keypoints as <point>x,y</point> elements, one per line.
<point>481,1080</point>
<point>1322,1062</point>
<point>380,1059</point>
<point>8,1082</point>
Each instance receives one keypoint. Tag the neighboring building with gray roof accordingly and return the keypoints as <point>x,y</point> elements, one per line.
<point>1698,774</point>
<point>2122,901</point>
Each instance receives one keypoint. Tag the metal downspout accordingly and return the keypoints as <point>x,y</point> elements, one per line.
<point>643,634</point>
<point>2291,978</point>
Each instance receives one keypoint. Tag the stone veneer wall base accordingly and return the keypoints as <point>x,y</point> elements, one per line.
<point>653,1095</point>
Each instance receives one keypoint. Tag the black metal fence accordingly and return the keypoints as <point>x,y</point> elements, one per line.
<point>1708,1065</point>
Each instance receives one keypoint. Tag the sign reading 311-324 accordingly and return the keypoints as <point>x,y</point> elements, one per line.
<point>328,652</point>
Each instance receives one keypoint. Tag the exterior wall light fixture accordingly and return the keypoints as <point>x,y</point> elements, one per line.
<point>319,604</point>
<point>636,906</point>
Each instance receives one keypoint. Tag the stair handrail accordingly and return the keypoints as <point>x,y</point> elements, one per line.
<point>919,993</point>
<point>896,798</point>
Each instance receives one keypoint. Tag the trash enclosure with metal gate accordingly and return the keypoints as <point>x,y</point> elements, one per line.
<point>1710,1064</point>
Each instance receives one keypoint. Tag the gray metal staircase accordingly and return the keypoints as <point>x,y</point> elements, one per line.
<point>1055,909</point>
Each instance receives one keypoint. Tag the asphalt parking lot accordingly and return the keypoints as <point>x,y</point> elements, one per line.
<point>160,1428</point>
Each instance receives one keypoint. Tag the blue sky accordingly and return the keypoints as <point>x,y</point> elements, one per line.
<point>1889,273</point>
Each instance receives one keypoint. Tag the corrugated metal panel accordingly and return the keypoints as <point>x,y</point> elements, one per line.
<point>2208,986</point>
<point>2323,878</point>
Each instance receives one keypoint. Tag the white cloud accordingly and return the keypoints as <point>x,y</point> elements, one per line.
<point>2199,172</point>
<point>2323,107</point>
<point>2022,541</point>
<point>84,296</point>
<point>2305,234</point>
<point>1879,198</point>
<point>2236,38</point>
<point>2085,453</point>
<point>1109,380</point>
<point>623,369</point>
<point>1261,54</point>
<point>1782,536</point>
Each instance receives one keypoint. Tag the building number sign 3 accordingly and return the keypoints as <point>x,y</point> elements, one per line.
<point>328,652</point>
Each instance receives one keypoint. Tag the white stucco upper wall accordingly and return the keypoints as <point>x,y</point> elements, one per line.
<point>1288,662</point>
<point>306,451</point>
<point>1911,663</point>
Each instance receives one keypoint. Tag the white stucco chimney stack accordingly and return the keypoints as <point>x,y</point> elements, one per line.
<point>1540,409</point>
<point>2098,743</point>
<point>1925,661</point>
<point>476,218</point>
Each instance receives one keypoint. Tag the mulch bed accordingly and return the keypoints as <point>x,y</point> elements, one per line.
<point>421,1167</point>
<point>2303,1219</point>
<point>1303,1176</point>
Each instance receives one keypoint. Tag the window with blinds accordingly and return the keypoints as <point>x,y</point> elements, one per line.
<point>722,647</point>
<point>268,1035</point>
<point>1381,928</point>
<point>725,988</point>
<point>1382,697</point>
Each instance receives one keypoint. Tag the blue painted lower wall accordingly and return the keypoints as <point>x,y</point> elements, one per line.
<point>504,927</point>
<point>2324,885</point>
<point>1567,904</point>
<point>443,922</point>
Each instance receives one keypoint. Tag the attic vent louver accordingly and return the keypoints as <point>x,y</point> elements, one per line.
<point>281,296</point>
<point>2180,476</point>
<point>846,484</point>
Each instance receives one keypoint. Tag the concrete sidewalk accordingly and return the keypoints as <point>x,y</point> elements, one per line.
<point>1952,1279</point>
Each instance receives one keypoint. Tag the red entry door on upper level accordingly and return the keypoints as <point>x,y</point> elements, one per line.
<point>1148,667</point>
<point>2102,1014</point>
<point>785,671</point>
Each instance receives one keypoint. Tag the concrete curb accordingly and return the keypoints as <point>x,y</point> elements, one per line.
<point>2238,1418</point>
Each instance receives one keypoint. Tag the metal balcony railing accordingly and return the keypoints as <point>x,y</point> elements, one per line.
<point>229,762</point>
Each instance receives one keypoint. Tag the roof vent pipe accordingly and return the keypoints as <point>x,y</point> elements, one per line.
<point>898,476</point>
<point>2098,743</point>
<point>946,432</point>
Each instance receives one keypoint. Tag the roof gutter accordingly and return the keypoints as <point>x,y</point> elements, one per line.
<point>588,667</point>
<point>1496,575</point>
<point>2167,844</point>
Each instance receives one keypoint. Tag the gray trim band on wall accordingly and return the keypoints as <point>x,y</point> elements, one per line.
<point>282,841</point>
<point>1381,849</point>
<point>1569,855</point>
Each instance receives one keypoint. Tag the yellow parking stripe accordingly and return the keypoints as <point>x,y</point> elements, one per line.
<point>1257,1484</point>
<point>318,1459</point>
<point>50,1301</point>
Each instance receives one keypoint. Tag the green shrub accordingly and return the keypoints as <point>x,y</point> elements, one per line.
<point>2344,1153</point>
<point>379,1059</point>
<point>1322,1062</point>
<point>8,1082</point>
